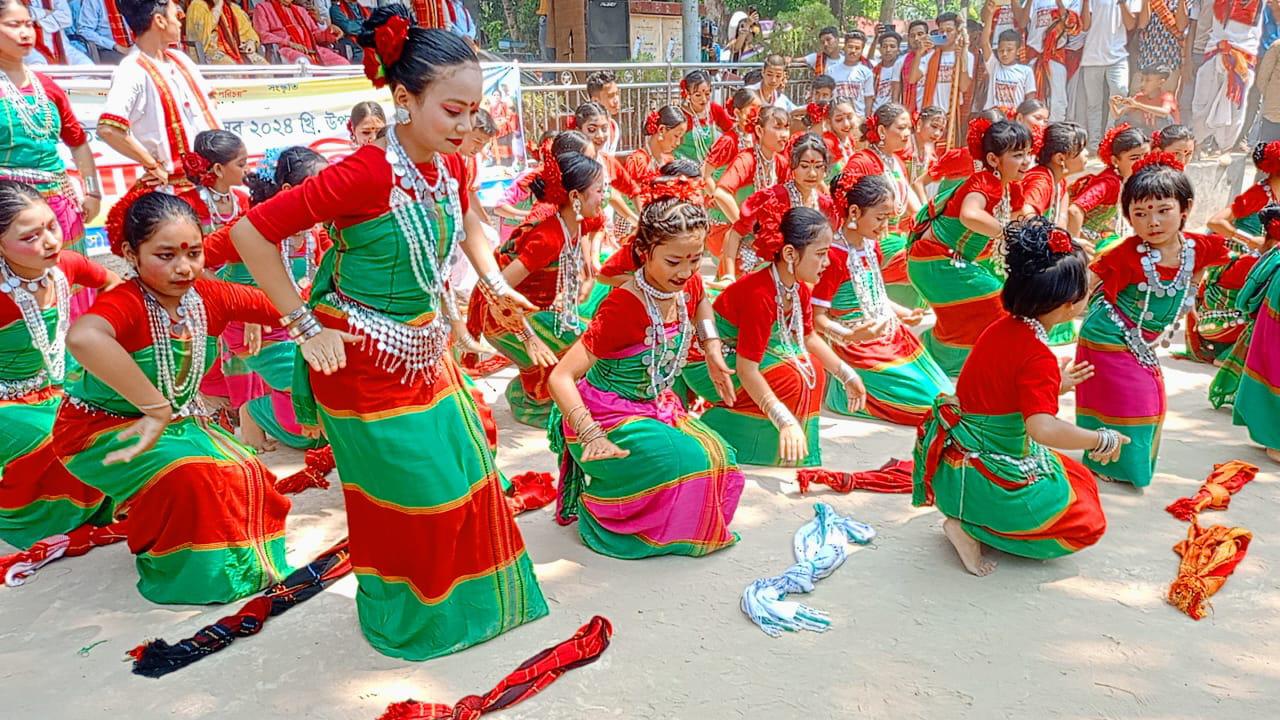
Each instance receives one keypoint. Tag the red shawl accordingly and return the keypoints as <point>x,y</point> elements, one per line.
<point>229,33</point>
<point>1244,12</point>
<point>119,31</point>
<point>295,26</point>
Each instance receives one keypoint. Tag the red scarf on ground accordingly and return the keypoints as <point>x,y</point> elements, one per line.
<point>119,31</point>
<point>1242,11</point>
<point>294,25</point>
<point>229,33</point>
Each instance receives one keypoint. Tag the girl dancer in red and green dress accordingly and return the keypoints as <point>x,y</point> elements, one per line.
<point>986,456</point>
<point>766,320</point>
<point>1148,282</point>
<point>757,168</point>
<point>1094,214</point>
<point>705,119</point>
<point>416,469</point>
<point>865,327</point>
<point>661,482</point>
<point>1257,396</point>
<point>38,497</point>
<point>205,522</point>
<point>953,260</point>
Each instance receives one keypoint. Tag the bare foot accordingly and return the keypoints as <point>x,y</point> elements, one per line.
<point>1274,454</point>
<point>251,433</point>
<point>969,550</point>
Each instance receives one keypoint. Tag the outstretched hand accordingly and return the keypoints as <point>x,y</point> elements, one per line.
<point>1073,373</point>
<point>147,429</point>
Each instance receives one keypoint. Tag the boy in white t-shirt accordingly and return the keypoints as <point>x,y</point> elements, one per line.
<point>828,53</point>
<point>888,72</point>
<point>1008,82</point>
<point>936,68</point>
<point>854,80</point>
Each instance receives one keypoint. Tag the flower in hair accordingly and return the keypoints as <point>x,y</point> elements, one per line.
<point>553,192</point>
<point>871,130</point>
<point>115,219</point>
<point>388,45</point>
<point>1157,139</point>
<point>1060,241</point>
<point>1269,163</point>
<point>266,168</point>
<point>684,88</point>
<point>978,128</point>
<point>753,118</point>
<point>1104,147</point>
<point>198,169</point>
<point>680,187</point>
<point>652,123</point>
<point>1159,157</point>
<point>844,183</point>
<point>816,112</point>
<point>1273,229</point>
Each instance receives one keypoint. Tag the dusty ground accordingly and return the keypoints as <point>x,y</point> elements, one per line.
<point>913,636</point>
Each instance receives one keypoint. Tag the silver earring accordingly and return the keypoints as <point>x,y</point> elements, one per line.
<point>402,115</point>
<point>577,209</point>
<point>791,267</point>
<point>996,172</point>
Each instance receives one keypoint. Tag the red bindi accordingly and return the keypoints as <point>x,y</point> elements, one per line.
<point>183,246</point>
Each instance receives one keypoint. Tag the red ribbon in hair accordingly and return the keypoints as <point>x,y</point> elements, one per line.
<point>115,218</point>
<point>681,187</point>
<point>978,128</point>
<point>1104,147</point>
<point>388,44</point>
<point>198,168</point>
<point>1158,157</point>
<point>1060,241</point>
<point>1270,161</point>
<point>652,123</point>
<point>840,200</point>
<point>753,118</point>
<point>816,112</point>
<point>553,192</point>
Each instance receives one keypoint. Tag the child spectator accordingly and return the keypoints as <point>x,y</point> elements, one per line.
<point>602,87</point>
<point>1009,83</point>
<point>1152,108</point>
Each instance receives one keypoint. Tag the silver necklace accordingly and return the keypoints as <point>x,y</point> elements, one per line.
<point>1037,327</point>
<point>37,117</point>
<point>797,198</point>
<point>569,280</point>
<point>890,166</point>
<point>193,322</point>
<point>764,175</point>
<point>211,199</point>
<point>309,258</point>
<point>791,324</point>
<point>1142,350</point>
<point>51,345</point>
<point>667,354</point>
<point>701,144</point>
<point>867,281</point>
<point>420,234</point>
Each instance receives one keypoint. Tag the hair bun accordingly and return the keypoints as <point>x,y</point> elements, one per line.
<point>1034,244</point>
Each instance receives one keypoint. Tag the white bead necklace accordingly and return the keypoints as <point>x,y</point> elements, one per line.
<point>1154,285</point>
<point>193,322</point>
<point>867,281</point>
<point>569,272</point>
<point>1037,327</point>
<point>211,199</point>
<point>667,355</point>
<point>52,346</point>
<point>37,117</point>
<point>791,324</point>
<point>309,257</point>
<point>797,198</point>
<point>764,175</point>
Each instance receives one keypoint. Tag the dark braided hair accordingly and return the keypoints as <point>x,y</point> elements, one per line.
<point>149,212</point>
<point>294,165</point>
<point>664,219</point>
<point>1067,138</point>
<point>427,53</point>
<point>809,142</point>
<point>1039,279</point>
<point>14,198</point>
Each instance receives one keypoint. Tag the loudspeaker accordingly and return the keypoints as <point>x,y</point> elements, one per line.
<point>608,24</point>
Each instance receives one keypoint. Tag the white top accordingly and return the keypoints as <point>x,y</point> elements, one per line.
<point>888,76</point>
<point>812,60</point>
<point>1042,18</point>
<point>946,72</point>
<point>1104,43</point>
<point>1002,20</point>
<point>1242,37</point>
<point>1008,85</point>
<point>780,100</point>
<point>855,82</point>
<point>134,97</point>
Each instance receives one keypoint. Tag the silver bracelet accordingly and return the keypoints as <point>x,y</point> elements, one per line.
<point>155,406</point>
<point>525,333</point>
<point>1108,441</point>
<point>780,416</point>
<point>592,433</point>
<point>294,316</point>
<point>494,283</point>
<point>305,329</point>
<point>92,187</point>
<point>846,374</point>
<point>706,331</point>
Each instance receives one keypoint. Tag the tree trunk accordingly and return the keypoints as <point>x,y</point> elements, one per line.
<point>887,9</point>
<point>837,9</point>
<point>715,10</point>
<point>509,14</point>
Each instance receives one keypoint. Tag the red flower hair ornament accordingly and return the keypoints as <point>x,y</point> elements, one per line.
<point>553,192</point>
<point>1060,241</point>
<point>388,44</point>
<point>871,130</point>
<point>1268,159</point>
<point>680,187</point>
<point>198,169</point>
<point>115,219</point>
<point>1158,157</point>
<point>1273,229</point>
<point>978,128</point>
<point>652,123</point>
<point>816,112</point>
<point>1104,147</point>
<point>753,118</point>
<point>840,194</point>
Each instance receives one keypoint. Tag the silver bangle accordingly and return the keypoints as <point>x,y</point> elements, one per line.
<point>294,316</point>
<point>494,283</point>
<point>780,416</point>
<point>92,186</point>
<point>155,406</point>
<point>846,374</point>
<point>525,333</point>
<point>305,329</point>
<point>706,331</point>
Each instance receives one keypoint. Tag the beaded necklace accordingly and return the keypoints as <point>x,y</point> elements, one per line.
<point>37,118</point>
<point>791,324</point>
<point>309,258</point>
<point>667,354</point>
<point>867,280</point>
<point>894,179</point>
<point>193,322</point>
<point>52,346</point>
<point>701,144</point>
<point>1037,327</point>
<point>797,198</point>
<point>1142,350</point>
<point>764,175</point>
<point>211,199</point>
<point>569,280</point>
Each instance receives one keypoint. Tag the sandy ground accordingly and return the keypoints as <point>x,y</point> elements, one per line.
<point>913,635</point>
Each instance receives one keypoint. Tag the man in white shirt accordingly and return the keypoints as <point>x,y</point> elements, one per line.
<point>1223,81</point>
<point>1052,26</point>
<point>828,51</point>
<point>937,67</point>
<point>888,72</point>
<point>1008,82</point>
<point>773,83</point>
<point>854,80</point>
<point>1104,65</point>
<point>54,20</point>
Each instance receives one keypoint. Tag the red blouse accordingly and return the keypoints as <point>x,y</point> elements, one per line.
<point>1038,189</point>
<point>72,133</point>
<point>353,191</point>
<point>765,208</point>
<point>621,320</point>
<point>1009,371</point>
<point>719,117</point>
<point>537,248</point>
<point>724,149</point>
<point>1121,266</point>
<point>1097,190</point>
<point>989,186</point>
<point>79,270</point>
<point>742,171</point>
<point>1252,200</point>
<point>220,251</point>
<point>620,178</point>
<point>750,304</point>
<point>619,263</point>
<point>125,310</point>
<point>952,164</point>
<point>197,203</point>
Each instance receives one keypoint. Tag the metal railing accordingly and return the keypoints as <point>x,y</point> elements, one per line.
<point>549,91</point>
